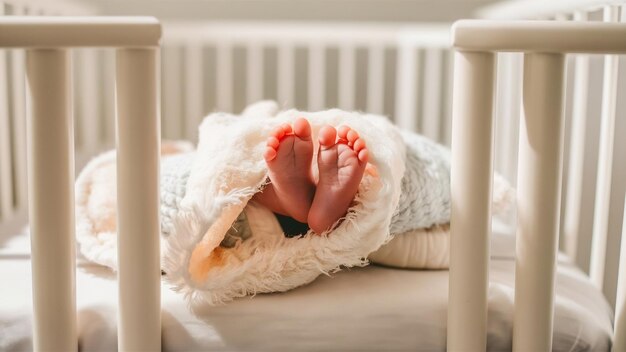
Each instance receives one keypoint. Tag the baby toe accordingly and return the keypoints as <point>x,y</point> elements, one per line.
<point>352,137</point>
<point>358,145</point>
<point>327,136</point>
<point>302,128</point>
<point>269,154</point>
<point>278,133</point>
<point>342,132</point>
<point>287,128</point>
<point>273,142</point>
<point>363,155</point>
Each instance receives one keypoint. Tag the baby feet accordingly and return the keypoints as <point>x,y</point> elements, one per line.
<point>288,156</point>
<point>341,162</point>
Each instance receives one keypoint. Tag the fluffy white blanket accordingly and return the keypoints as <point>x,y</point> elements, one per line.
<point>229,169</point>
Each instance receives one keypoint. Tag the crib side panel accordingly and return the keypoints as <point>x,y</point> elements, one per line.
<point>540,154</point>
<point>592,221</point>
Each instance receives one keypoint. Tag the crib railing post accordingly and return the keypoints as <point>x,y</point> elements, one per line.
<point>471,182</point>
<point>138,138</point>
<point>619,338</point>
<point>51,199</point>
<point>605,161</point>
<point>6,182</point>
<point>571,221</point>
<point>538,201</point>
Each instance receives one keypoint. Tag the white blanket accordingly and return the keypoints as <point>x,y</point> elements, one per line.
<point>229,169</point>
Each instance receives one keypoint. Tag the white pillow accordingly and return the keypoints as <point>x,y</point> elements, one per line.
<point>416,249</point>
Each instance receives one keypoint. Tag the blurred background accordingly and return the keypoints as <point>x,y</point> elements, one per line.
<point>390,57</point>
<point>392,11</point>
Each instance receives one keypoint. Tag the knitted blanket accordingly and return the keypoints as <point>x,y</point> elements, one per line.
<point>405,192</point>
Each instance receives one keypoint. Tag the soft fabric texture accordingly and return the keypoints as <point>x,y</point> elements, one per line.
<point>405,191</point>
<point>96,202</point>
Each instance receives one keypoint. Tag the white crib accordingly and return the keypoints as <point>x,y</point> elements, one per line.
<point>401,71</point>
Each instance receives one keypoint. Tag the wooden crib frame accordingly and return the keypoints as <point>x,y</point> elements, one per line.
<point>544,44</point>
<point>51,172</point>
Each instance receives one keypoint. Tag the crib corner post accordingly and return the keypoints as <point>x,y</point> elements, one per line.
<point>51,199</point>
<point>538,200</point>
<point>138,148</point>
<point>471,183</point>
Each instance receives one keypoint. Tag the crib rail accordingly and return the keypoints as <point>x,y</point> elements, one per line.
<point>539,170</point>
<point>60,32</point>
<point>48,41</point>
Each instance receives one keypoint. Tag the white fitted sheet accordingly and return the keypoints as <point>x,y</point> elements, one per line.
<point>364,309</point>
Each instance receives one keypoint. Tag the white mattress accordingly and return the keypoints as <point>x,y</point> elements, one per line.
<point>365,309</point>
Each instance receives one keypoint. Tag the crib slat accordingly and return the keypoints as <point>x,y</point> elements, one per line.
<point>108,97</point>
<point>508,108</point>
<point>6,184</point>
<point>19,128</point>
<point>605,160</point>
<point>254,68</point>
<point>406,87</point>
<point>77,61</point>
<point>431,107</point>
<point>471,178</point>
<point>503,82</point>
<point>317,77</point>
<point>346,76</point>
<point>619,342</point>
<point>172,95</point>
<point>224,77</point>
<point>88,108</point>
<point>19,123</point>
<point>576,150</point>
<point>538,200</point>
<point>511,116</point>
<point>375,79</point>
<point>51,199</point>
<point>447,102</point>
<point>194,90</point>
<point>138,139</point>
<point>286,73</point>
